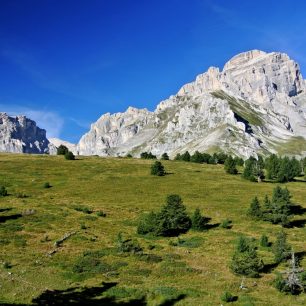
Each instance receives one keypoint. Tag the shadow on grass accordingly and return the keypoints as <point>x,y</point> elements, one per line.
<point>268,268</point>
<point>297,209</point>
<point>297,223</point>
<point>89,297</point>
<point>11,217</point>
<point>173,301</point>
<point>211,226</point>
<point>5,209</point>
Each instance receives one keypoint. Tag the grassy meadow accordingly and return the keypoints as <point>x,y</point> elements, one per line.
<point>97,198</point>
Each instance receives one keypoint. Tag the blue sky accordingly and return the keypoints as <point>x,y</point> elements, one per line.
<point>66,62</point>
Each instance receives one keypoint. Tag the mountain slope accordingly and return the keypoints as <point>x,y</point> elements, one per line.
<point>22,135</point>
<point>256,104</point>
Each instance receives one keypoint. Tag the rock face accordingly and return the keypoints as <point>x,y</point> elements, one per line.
<point>21,135</point>
<point>256,104</point>
<point>57,142</point>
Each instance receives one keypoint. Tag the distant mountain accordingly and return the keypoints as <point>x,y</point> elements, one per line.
<point>57,142</point>
<point>256,104</point>
<point>22,135</point>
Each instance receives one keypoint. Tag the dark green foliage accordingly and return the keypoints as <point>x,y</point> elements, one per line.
<point>230,165</point>
<point>172,220</point>
<point>264,241</point>
<point>281,249</point>
<point>3,191</point>
<point>90,264</point>
<point>227,297</point>
<point>7,265</point>
<point>255,209</point>
<point>239,161</point>
<point>128,245</point>
<point>198,221</point>
<point>129,155</point>
<point>197,157</point>
<point>84,209</point>
<point>278,210</point>
<point>165,156</point>
<point>282,169</point>
<point>101,213</point>
<point>69,156</point>
<point>62,150</point>
<point>280,283</point>
<point>226,223</point>
<point>185,157</point>
<point>147,155</point>
<point>177,157</point>
<point>158,169</point>
<point>47,185</point>
<point>253,169</point>
<point>245,260</point>
<point>221,157</point>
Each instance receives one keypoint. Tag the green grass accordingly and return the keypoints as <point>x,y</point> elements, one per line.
<point>295,145</point>
<point>123,189</point>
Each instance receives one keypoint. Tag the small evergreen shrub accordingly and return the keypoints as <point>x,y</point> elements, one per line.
<point>62,150</point>
<point>227,297</point>
<point>69,156</point>
<point>230,166</point>
<point>128,245</point>
<point>3,191</point>
<point>171,220</point>
<point>255,209</point>
<point>226,223</point>
<point>165,156</point>
<point>281,249</point>
<point>198,221</point>
<point>158,169</point>
<point>264,241</point>
<point>47,185</point>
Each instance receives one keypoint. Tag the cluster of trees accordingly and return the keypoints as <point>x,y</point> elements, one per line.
<point>280,169</point>
<point>172,220</point>
<point>147,155</point>
<point>216,158</point>
<point>278,210</point>
<point>63,150</point>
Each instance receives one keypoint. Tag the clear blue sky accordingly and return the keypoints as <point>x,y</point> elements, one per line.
<point>66,62</point>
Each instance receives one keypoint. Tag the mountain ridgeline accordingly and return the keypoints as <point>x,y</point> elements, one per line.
<point>255,105</point>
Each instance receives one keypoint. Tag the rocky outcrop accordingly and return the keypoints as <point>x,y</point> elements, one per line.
<point>256,104</point>
<point>21,135</point>
<point>57,142</point>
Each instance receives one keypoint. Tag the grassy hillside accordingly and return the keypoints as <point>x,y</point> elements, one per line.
<point>194,273</point>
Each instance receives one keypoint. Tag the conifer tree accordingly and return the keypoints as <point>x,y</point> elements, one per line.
<point>230,166</point>
<point>255,209</point>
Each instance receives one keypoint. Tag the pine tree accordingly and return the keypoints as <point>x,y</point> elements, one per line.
<point>158,169</point>
<point>255,209</point>
<point>62,150</point>
<point>245,260</point>
<point>230,166</point>
<point>186,156</point>
<point>198,221</point>
<point>69,156</point>
<point>280,248</point>
<point>197,157</point>
<point>165,156</point>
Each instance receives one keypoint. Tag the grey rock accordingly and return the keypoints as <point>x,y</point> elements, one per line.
<point>21,135</point>
<point>256,104</point>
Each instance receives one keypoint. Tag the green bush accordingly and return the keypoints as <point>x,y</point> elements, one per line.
<point>198,221</point>
<point>255,209</point>
<point>128,245</point>
<point>165,156</point>
<point>226,223</point>
<point>227,297</point>
<point>84,209</point>
<point>172,220</point>
<point>3,191</point>
<point>264,241</point>
<point>62,150</point>
<point>281,249</point>
<point>146,155</point>
<point>69,156</point>
<point>245,260</point>
<point>158,169</point>
<point>47,185</point>
<point>230,166</point>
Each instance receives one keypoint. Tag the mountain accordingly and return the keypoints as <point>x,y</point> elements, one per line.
<point>256,104</point>
<point>57,142</point>
<point>21,135</point>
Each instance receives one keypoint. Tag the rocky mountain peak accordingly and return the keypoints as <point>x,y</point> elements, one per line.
<point>21,135</point>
